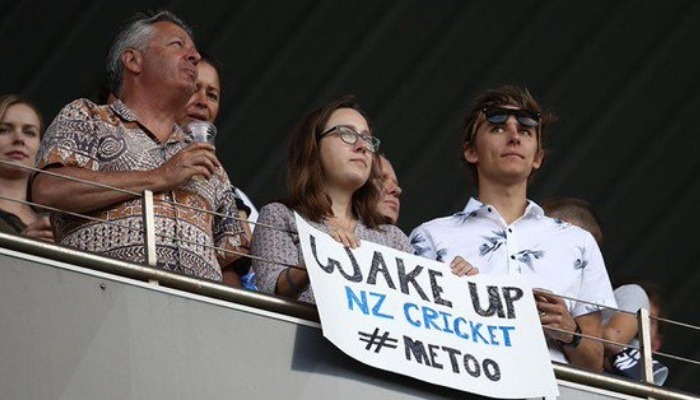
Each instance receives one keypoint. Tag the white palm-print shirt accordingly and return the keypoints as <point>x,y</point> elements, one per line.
<point>548,253</point>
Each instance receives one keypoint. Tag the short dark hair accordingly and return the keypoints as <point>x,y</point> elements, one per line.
<point>135,34</point>
<point>305,175</point>
<point>506,95</point>
<point>208,58</point>
<point>578,212</point>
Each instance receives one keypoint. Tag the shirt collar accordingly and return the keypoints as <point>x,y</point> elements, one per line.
<point>534,210</point>
<point>473,205</point>
<point>125,113</point>
<point>531,210</point>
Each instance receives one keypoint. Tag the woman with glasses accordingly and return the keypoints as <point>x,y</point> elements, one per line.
<point>333,163</point>
<point>20,133</point>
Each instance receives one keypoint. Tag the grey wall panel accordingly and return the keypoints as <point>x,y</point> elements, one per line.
<point>71,333</point>
<point>66,335</point>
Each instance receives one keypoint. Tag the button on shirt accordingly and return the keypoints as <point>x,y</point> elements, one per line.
<point>110,139</point>
<point>548,253</point>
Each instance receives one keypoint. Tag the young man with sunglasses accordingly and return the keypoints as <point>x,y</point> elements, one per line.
<point>502,232</point>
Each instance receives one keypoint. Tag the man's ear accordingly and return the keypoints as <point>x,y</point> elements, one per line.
<point>538,159</point>
<point>132,60</point>
<point>470,154</point>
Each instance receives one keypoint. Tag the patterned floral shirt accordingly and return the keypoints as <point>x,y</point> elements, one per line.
<point>548,253</point>
<point>110,139</point>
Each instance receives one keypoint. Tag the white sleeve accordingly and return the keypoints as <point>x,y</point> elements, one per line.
<point>595,283</point>
<point>253,211</point>
<point>422,242</point>
<point>631,298</point>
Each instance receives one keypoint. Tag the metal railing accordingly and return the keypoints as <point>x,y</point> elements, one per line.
<point>644,332</point>
<point>147,203</point>
<point>146,272</point>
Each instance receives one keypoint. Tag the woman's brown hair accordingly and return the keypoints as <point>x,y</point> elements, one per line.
<point>305,174</point>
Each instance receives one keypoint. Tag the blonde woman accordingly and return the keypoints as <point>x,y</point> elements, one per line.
<point>21,127</point>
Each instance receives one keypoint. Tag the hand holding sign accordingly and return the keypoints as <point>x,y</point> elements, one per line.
<point>412,316</point>
<point>343,233</point>
<point>462,267</point>
<point>554,314</point>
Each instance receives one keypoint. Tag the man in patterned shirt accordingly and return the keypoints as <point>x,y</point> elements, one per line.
<point>135,144</point>
<point>502,232</point>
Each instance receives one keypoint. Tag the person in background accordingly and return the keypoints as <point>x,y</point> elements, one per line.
<point>575,211</point>
<point>135,144</point>
<point>622,327</point>
<point>389,206</point>
<point>619,327</point>
<point>501,232</point>
<point>204,106</point>
<point>332,184</point>
<point>21,127</point>
<point>656,309</point>
<point>389,203</point>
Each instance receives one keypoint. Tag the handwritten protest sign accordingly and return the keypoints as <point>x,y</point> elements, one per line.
<point>410,315</point>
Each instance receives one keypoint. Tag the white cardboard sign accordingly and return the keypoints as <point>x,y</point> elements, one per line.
<point>412,316</point>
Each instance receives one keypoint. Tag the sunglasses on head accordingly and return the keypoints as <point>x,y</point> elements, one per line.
<point>499,116</point>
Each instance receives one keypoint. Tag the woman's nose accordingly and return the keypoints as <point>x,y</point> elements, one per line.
<point>361,145</point>
<point>200,99</point>
<point>18,137</point>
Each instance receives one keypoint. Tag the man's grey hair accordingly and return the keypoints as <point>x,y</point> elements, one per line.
<point>135,34</point>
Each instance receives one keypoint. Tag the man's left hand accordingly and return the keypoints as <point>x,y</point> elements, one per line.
<point>555,314</point>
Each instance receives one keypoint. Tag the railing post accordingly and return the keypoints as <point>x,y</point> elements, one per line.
<point>644,329</point>
<point>149,229</point>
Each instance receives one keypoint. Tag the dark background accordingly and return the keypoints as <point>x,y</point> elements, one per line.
<point>623,76</point>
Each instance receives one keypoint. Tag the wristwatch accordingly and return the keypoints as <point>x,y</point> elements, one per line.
<point>576,338</point>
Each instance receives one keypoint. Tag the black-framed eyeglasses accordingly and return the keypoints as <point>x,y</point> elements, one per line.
<point>349,136</point>
<point>499,116</point>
